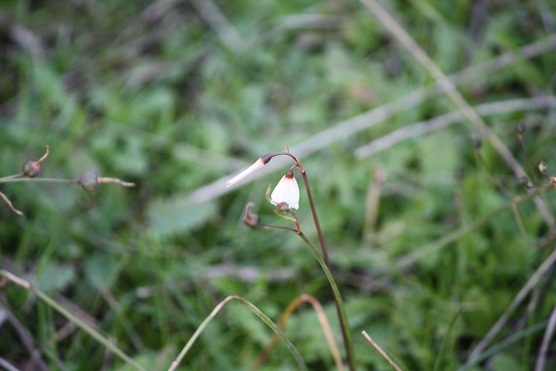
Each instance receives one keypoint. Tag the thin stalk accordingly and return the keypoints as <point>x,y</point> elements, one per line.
<point>78,322</point>
<point>51,180</point>
<point>337,299</point>
<point>315,217</point>
<point>11,177</point>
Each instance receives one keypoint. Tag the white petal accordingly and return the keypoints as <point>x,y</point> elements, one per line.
<point>286,191</point>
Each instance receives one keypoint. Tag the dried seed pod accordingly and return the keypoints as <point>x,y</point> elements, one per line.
<point>89,180</point>
<point>31,169</point>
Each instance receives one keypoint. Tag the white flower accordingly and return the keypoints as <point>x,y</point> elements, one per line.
<point>286,192</point>
<point>257,165</point>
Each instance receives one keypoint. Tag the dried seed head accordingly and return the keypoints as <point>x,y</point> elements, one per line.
<point>89,180</point>
<point>250,218</point>
<point>31,169</point>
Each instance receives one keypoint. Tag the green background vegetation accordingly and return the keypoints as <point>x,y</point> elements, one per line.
<point>162,94</point>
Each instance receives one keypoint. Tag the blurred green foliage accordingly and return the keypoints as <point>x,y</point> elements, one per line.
<point>157,93</point>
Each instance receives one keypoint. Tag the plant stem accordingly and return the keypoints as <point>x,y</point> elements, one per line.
<point>11,177</point>
<point>326,266</point>
<point>337,299</point>
<point>50,180</point>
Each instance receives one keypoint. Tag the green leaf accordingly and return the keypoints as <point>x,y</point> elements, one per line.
<point>55,277</point>
<point>99,268</point>
<point>177,215</point>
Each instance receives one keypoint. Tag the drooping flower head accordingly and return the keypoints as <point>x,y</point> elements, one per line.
<point>286,192</point>
<point>256,166</point>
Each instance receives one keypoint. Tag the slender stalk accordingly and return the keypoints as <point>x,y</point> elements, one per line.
<point>11,177</point>
<point>315,218</point>
<point>50,180</point>
<point>381,351</point>
<point>344,325</point>
<point>337,299</point>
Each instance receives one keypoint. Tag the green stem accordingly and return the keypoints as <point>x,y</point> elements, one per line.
<point>64,312</point>
<point>337,296</point>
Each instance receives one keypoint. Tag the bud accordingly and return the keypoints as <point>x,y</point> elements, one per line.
<point>89,180</point>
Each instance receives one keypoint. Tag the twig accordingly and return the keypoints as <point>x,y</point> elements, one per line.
<point>407,41</point>
<point>381,351</point>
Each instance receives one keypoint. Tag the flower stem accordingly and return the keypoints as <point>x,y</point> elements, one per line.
<point>326,266</point>
<point>337,299</point>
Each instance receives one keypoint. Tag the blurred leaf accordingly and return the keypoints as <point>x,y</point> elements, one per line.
<point>99,268</point>
<point>55,277</point>
<point>177,215</point>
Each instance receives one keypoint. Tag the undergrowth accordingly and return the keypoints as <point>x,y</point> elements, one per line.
<point>440,232</point>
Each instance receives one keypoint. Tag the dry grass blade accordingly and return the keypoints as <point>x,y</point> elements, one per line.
<point>381,351</point>
<point>7,200</point>
<point>443,121</point>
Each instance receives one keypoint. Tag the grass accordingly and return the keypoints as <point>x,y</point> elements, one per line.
<point>431,238</point>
